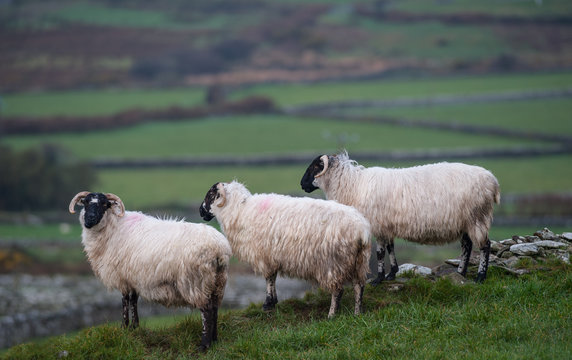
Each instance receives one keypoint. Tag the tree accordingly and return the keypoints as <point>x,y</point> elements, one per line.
<point>41,179</point>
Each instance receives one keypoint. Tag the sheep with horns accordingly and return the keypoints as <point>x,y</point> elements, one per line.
<point>171,262</point>
<point>430,204</point>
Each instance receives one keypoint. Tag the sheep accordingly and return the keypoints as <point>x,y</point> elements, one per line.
<point>312,239</point>
<point>171,262</point>
<point>430,204</point>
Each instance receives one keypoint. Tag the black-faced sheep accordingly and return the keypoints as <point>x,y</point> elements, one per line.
<point>171,262</point>
<point>430,204</point>
<point>311,239</point>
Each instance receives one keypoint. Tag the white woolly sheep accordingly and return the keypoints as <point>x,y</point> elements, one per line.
<point>430,204</point>
<point>311,239</point>
<point>171,262</point>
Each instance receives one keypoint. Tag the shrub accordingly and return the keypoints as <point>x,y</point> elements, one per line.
<point>41,179</point>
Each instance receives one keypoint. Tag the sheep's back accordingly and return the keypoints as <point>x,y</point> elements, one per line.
<point>427,204</point>
<point>302,237</point>
<point>167,261</point>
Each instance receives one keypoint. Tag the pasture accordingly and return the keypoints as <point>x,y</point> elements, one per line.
<point>272,134</point>
<point>506,317</point>
<point>180,190</point>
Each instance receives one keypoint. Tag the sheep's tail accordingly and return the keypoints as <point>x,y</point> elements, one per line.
<point>362,257</point>
<point>220,278</point>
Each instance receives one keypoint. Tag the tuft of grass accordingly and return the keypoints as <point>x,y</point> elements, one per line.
<point>505,317</point>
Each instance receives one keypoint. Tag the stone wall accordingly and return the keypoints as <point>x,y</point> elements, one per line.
<point>506,254</point>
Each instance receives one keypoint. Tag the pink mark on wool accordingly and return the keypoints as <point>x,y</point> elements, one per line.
<point>133,218</point>
<point>264,205</point>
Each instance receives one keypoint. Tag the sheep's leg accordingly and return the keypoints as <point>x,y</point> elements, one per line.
<point>125,304</point>
<point>358,294</point>
<point>335,305</point>
<point>215,323</point>
<point>380,263</point>
<point>466,248</point>
<point>484,261</point>
<point>271,297</point>
<point>207,320</point>
<point>133,298</point>
<point>214,304</point>
<point>392,260</point>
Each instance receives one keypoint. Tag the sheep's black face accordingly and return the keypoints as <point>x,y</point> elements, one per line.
<point>307,181</point>
<point>205,209</point>
<point>95,204</point>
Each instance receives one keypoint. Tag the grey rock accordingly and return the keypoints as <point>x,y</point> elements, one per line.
<point>530,238</point>
<point>545,234</point>
<point>567,236</point>
<point>417,269</point>
<point>563,255</point>
<point>510,262</point>
<point>497,246</point>
<point>443,269</point>
<point>494,243</point>
<point>507,255</point>
<point>549,244</point>
<point>508,242</point>
<point>524,249</point>
<point>456,278</point>
<point>454,262</point>
<point>395,287</point>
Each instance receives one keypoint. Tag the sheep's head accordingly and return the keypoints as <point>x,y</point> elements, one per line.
<point>215,193</point>
<point>95,205</point>
<point>317,168</point>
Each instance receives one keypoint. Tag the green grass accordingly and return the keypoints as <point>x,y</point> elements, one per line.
<point>64,231</point>
<point>96,102</point>
<point>301,94</point>
<point>424,40</point>
<point>493,7</point>
<point>544,116</point>
<point>102,102</point>
<point>506,317</point>
<point>97,14</point>
<point>256,134</point>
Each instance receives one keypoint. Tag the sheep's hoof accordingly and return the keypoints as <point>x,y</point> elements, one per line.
<point>481,278</point>
<point>203,348</point>
<point>268,307</point>
<point>377,281</point>
<point>390,276</point>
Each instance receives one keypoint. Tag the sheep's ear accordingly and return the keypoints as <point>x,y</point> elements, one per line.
<point>325,161</point>
<point>222,194</point>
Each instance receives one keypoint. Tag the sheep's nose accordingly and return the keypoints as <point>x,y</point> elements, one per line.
<point>206,215</point>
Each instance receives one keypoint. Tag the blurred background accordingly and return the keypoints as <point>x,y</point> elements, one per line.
<point>157,101</point>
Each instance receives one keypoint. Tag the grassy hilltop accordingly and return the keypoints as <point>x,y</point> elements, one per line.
<point>506,317</point>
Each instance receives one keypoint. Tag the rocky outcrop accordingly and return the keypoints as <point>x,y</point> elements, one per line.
<point>507,254</point>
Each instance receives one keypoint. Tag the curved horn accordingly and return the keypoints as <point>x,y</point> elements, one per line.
<point>78,197</point>
<point>222,194</point>
<point>118,201</point>
<point>324,159</point>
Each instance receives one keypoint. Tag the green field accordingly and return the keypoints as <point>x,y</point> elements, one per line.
<point>256,134</point>
<point>102,102</point>
<point>96,102</point>
<point>277,134</point>
<point>543,116</point>
<point>302,94</point>
<point>510,8</point>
